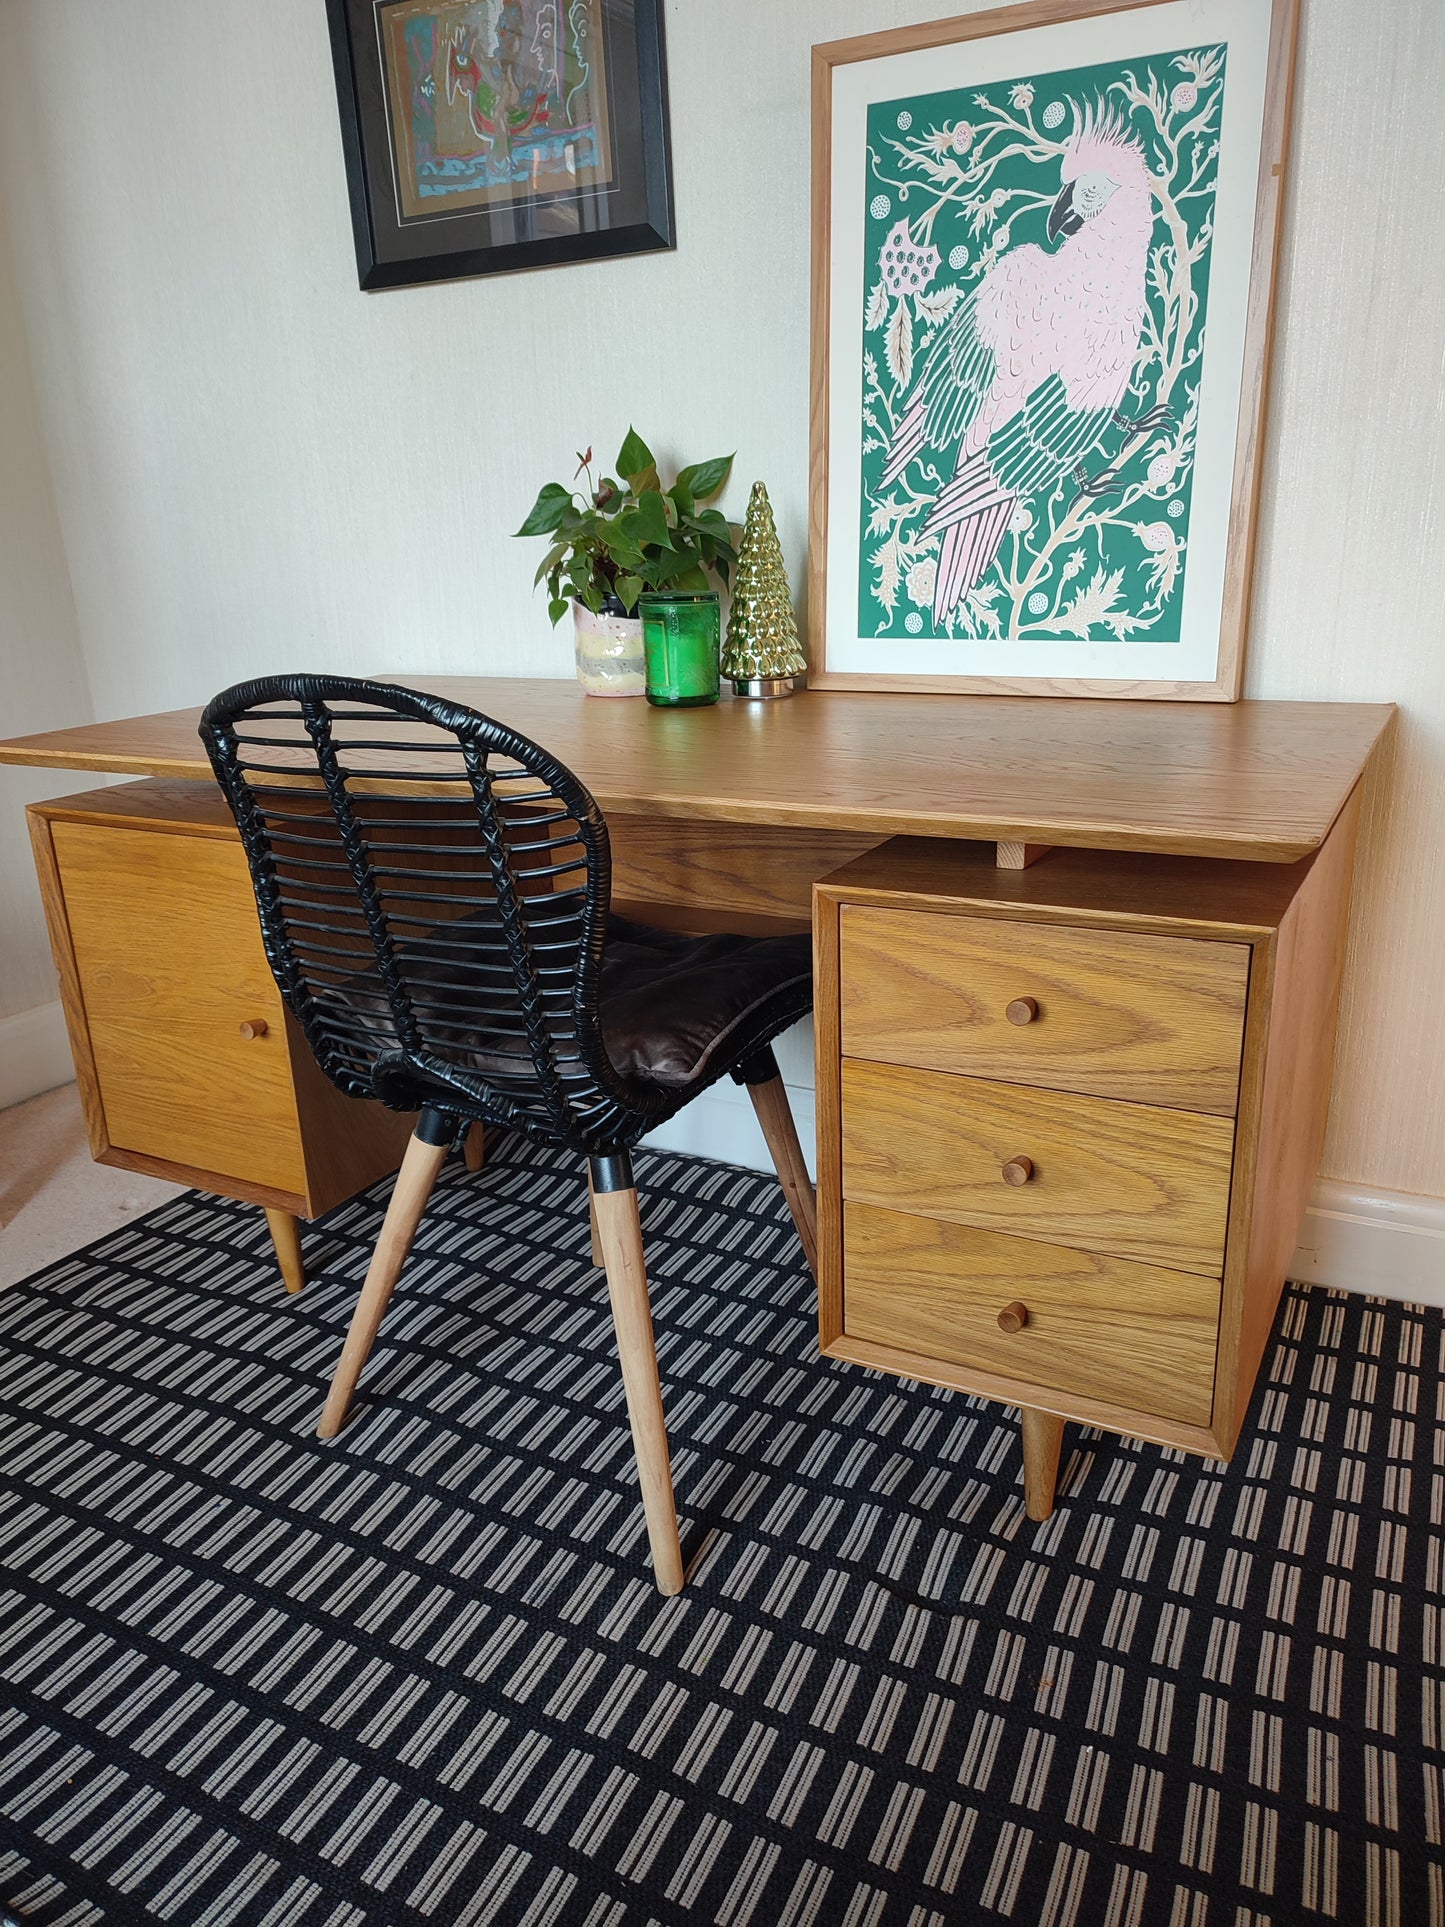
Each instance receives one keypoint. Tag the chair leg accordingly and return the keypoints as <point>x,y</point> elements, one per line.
<point>775,1114</point>
<point>619,1230</point>
<point>414,1183</point>
<point>475,1148</point>
<point>599,1262</point>
<point>1043,1436</point>
<point>286,1236</point>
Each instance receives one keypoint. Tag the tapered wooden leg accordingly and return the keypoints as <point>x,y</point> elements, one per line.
<point>775,1114</point>
<point>598,1260</point>
<point>414,1183</point>
<point>475,1150</point>
<point>620,1231</point>
<point>286,1236</point>
<point>1043,1436</point>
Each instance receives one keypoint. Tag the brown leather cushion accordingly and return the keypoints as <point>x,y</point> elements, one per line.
<point>672,1006</point>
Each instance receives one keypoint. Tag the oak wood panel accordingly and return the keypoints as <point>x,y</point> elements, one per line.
<point>1128,1179</point>
<point>1111,1414</point>
<point>1101,889</point>
<point>164,1012</point>
<point>1101,1326</point>
<point>1256,780</point>
<point>764,870</point>
<point>828,1111</point>
<point>1152,1019</point>
<point>1258,336</point>
<point>72,996</point>
<point>1285,1092</point>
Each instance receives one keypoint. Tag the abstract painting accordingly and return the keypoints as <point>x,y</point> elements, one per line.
<point>488,135</point>
<point>1032,426</point>
<point>490,99</point>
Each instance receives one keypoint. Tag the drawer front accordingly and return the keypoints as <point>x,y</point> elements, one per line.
<point>1100,1327</point>
<point>1131,1179</point>
<point>169,954</point>
<point>1157,1020</point>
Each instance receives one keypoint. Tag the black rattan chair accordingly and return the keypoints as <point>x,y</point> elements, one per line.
<point>434,893</point>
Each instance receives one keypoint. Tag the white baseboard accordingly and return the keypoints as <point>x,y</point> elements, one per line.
<point>34,1053</point>
<point>1387,1244</point>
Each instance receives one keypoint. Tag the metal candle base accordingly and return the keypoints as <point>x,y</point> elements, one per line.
<point>764,686</point>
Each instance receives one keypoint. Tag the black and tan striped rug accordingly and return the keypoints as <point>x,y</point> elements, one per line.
<point>421,1675</point>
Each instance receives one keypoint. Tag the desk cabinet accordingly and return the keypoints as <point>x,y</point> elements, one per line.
<point>189,1065</point>
<point>1068,1122</point>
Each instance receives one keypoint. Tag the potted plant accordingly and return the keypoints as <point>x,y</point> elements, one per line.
<point>614,542</point>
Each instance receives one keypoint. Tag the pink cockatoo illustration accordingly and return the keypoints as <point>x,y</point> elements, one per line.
<point>1030,370</point>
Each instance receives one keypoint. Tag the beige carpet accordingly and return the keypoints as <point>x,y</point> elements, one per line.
<point>53,1198</point>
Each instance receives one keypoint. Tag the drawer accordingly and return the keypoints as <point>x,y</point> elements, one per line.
<point>1157,1020</point>
<point>1100,1327</point>
<point>1132,1179</point>
<point>168,951</point>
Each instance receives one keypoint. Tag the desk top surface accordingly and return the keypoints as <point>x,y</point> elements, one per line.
<point>1260,780</point>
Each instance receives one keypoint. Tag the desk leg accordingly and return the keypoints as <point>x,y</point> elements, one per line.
<point>775,1115</point>
<point>286,1236</point>
<point>1043,1436</point>
<point>475,1149</point>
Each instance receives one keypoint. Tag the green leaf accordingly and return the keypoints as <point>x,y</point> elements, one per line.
<point>634,458</point>
<point>720,564</point>
<point>546,514</point>
<point>693,580</point>
<point>681,497</point>
<point>706,478</point>
<point>648,521</point>
<point>549,562</point>
<point>629,588</point>
<point>556,609</point>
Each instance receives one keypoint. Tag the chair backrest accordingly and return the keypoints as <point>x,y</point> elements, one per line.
<point>433,891</point>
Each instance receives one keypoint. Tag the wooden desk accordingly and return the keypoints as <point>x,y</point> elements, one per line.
<point>1181,953</point>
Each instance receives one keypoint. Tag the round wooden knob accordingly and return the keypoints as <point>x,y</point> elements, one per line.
<point>254,1027</point>
<point>1013,1317</point>
<point>1018,1170</point>
<point>1022,1010</point>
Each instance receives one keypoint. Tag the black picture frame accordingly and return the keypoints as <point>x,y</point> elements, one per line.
<point>631,213</point>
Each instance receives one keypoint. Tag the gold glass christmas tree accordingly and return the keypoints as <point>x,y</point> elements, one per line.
<point>762,653</point>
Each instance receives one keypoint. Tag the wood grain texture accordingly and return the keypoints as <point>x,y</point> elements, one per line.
<point>1100,889</point>
<point>1260,781</point>
<point>619,1232</point>
<point>414,1181</point>
<point>1150,1019</point>
<point>1285,1093</point>
<point>1102,1327</point>
<point>1043,1436</point>
<point>1224,686</point>
<point>163,1009</point>
<point>759,870</point>
<point>345,1144</point>
<point>1019,856</point>
<point>285,1232</point>
<point>828,1110</point>
<point>775,1117</point>
<point>1127,1179</point>
<point>72,996</point>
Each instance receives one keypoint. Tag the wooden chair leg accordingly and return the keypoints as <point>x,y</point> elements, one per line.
<point>620,1231</point>
<point>597,1259</point>
<point>475,1149</point>
<point>1043,1436</point>
<point>286,1236</point>
<point>775,1114</point>
<point>414,1183</point>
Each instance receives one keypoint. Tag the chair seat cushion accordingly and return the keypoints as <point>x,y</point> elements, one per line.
<point>676,1010</point>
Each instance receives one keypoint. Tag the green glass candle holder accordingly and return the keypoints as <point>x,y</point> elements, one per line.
<point>681,638</point>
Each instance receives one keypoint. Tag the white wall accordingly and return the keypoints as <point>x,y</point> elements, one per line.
<point>42,686</point>
<point>258,467</point>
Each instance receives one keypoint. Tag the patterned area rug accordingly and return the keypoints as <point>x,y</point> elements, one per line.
<point>421,1675</point>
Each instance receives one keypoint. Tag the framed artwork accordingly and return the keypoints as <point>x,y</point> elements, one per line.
<point>1043,253</point>
<point>487,135</point>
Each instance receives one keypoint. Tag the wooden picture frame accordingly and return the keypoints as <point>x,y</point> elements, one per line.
<point>544,143</point>
<point>929,142</point>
